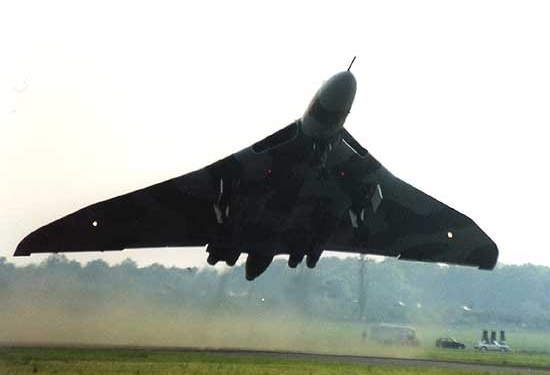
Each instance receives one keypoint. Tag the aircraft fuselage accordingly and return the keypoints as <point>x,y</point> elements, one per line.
<point>305,167</point>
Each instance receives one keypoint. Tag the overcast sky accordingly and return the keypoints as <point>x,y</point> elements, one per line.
<point>101,98</point>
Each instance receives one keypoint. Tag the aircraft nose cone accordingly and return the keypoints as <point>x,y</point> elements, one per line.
<point>338,92</point>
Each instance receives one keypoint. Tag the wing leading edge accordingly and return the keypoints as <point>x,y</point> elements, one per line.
<point>404,222</point>
<point>387,216</point>
<point>176,212</point>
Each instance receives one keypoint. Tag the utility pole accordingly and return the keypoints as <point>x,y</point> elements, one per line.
<point>362,286</point>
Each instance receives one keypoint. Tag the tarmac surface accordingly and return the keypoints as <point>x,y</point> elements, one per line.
<point>302,356</point>
<point>378,361</point>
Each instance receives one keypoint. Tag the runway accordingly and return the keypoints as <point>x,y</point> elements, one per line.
<point>303,356</point>
<point>375,361</point>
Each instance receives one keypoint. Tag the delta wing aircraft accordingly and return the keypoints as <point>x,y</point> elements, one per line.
<point>308,187</point>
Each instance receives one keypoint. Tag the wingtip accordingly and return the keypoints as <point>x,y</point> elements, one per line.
<point>488,257</point>
<point>34,242</point>
<point>22,249</point>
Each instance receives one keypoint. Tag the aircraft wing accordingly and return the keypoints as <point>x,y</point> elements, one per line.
<point>402,221</point>
<point>176,212</point>
<point>267,196</point>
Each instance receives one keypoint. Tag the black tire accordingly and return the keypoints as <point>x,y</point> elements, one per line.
<point>483,349</point>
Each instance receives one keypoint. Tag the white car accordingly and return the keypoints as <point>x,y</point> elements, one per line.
<point>494,346</point>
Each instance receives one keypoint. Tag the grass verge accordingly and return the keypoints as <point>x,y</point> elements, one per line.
<point>31,360</point>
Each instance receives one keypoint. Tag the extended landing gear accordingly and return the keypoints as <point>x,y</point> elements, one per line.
<point>218,253</point>
<point>363,210</point>
<point>256,264</point>
<point>312,258</point>
<point>313,255</point>
<point>294,259</point>
<point>224,246</point>
<point>212,259</point>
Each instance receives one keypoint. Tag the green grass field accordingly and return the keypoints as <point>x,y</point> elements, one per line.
<point>150,327</point>
<point>26,360</point>
<point>261,332</point>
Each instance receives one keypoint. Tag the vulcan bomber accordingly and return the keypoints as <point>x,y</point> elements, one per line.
<point>309,187</point>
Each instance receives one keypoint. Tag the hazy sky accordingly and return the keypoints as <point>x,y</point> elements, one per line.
<point>99,98</point>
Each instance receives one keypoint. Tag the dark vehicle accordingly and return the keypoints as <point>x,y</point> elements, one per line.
<point>449,343</point>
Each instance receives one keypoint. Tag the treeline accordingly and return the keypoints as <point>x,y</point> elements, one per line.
<point>391,290</point>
